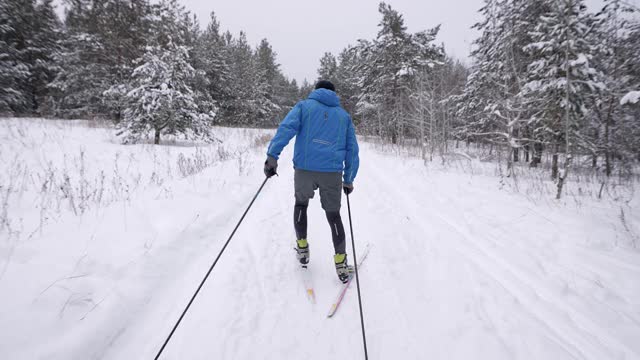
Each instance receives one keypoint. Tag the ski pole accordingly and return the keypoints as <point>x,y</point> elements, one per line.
<point>355,266</point>
<point>209,272</point>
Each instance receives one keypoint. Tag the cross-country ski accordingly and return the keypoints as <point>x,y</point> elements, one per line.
<point>345,287</point>
<point>308,283</point>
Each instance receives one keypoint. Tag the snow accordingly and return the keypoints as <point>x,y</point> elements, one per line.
<point>632,97</point>
<point>461,265</point>
<point>581,60</point>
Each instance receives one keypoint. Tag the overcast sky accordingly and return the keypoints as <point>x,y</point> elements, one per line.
<point>302,31</point>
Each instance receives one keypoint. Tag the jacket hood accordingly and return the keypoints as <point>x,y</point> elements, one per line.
<point>325,96</point>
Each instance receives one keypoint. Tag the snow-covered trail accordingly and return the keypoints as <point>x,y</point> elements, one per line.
<point>459,268</point>
<point>456,271</point>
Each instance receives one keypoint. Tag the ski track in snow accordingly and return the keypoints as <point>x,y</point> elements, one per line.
<point>458,270</point>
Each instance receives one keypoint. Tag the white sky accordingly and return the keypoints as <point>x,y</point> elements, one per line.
<point>302,31</point>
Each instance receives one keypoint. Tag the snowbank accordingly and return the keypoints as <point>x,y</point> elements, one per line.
<point>460,268</point>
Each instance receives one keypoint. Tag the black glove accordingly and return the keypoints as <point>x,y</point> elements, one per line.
<point>347,188</point>
<point>270,166</point>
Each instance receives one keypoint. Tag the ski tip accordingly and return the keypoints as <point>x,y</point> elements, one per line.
<point>332,311</point>
<point>311,295</point>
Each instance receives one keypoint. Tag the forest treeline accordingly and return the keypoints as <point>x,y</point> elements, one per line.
<point>546,77</point>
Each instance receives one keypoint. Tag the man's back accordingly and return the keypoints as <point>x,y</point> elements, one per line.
<point>325,136</point>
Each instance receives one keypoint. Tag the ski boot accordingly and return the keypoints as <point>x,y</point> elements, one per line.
<point>302,251</point>
<point>343,269</point>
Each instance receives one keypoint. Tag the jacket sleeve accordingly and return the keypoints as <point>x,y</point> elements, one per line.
<point>352,160</point>
<point>288,128</point>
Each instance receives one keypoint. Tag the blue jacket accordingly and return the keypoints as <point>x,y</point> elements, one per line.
<point>325,136</point>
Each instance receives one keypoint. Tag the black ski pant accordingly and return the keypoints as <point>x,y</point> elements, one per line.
<point>330,185</point>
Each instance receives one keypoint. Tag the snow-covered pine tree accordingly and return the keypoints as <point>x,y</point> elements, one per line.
<point>172,23</point>
<point>389,67</point>
<point>266,59</point>
<point>453,76</point>
<point>609,128</point>
<point>368,105</point>
<point>212,58</point>
<point>433,105</point>
<point>328,68</point>
<point>45,48</point>
<point>289,96</point>
<point>124,32</point>
<point>29,32</point>
<point>285,96</point>
<point>347,80</point>
<point>492,105</point>
<point>201,83</point>
<point>102,40</point>
<point>631,100</point>
<point>521,19</point>
<point>562,77</point>
<point>161,101</point>
<point>238,110</point>
<point>78,87</point>
<point>305,89</point>
<point>13,71</point>
<point>249,104</point>
<point>474,104</point>
<point>386,81</point>
<point>273,83</point>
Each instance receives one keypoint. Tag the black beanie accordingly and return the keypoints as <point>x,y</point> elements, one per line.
<point>325,84</point>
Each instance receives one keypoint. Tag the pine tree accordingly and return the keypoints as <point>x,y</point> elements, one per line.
<point>433,105</point>
<point>102,41</point>
<point>614,58</point>
<point>328,68</point>
<point>630,131</point>
<point>249,103</point>
<point>475,103</point>
<point>305,89</point>
<point>388,68</point>
<point>273,83</point>
<point>347,80</point>
<point>238,110</point>
<point>13,71</point>
<point>290,96</point>
<point>77,89</point>
<point>43,68</point>
<point>562,77</point>
<point>212,58</point>
<point>161,100</point>
<point>29,32</point>
<point>171,23</point>
<point>492,105</point>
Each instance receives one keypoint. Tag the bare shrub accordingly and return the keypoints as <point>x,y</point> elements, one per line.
<point>190,165</point>
<point>261,141</point>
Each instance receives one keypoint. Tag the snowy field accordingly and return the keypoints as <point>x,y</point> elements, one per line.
<point>102,245</point>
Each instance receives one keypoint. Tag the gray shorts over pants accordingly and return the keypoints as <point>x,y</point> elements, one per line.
<point>330,185</point>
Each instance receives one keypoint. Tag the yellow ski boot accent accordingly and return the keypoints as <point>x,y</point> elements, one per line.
<point>342,268</point>
<point>302,251</point>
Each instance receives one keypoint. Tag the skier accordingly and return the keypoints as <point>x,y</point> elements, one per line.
<point>326,158</point>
